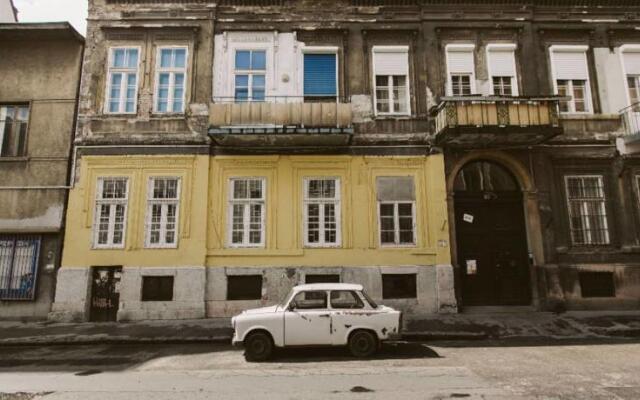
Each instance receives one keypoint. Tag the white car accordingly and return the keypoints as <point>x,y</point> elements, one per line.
<point>321,314</point>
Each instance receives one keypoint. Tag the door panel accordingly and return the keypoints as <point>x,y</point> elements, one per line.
<point>491,238</point>
<point>307,327</point>
<point>105,294</point>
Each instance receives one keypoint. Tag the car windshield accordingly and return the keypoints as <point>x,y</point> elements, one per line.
<point>371,302</point>
<point>285,299</point>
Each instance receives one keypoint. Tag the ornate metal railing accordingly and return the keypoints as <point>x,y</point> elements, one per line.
<point>631,119</point>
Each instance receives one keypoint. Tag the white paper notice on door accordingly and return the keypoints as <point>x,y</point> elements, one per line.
<point>472,267</point>
<point>468,218</point>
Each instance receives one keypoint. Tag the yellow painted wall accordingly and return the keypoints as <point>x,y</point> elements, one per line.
<point>284,220</point>
<point>193,172</point>
<point>203,211</point>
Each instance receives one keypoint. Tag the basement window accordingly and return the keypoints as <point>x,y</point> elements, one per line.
<point>322,278</point>
<point>597,284</point>
<point>157,288</point>
<point>244,287</point>
<point>399,286</point>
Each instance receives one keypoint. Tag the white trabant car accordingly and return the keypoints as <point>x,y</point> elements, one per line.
<point>321,314</point>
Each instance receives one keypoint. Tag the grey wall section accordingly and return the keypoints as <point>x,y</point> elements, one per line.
<point>40,67</point>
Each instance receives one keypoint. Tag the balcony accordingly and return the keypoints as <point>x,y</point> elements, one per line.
<point>494,121</point>
<point>629,142</point>
<point>280,121</point>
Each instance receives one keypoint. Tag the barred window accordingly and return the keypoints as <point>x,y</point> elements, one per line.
<point>322,212</point>
<point>246,212</point>
<point>122,81</point>
<point>111,212</point>
<point>14,120</point>
<point>396,210</point>
<point>163,201</point>
<point>587,210</point>
<point>18,266</point>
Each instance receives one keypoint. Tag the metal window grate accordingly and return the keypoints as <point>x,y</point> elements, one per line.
<point>587,210</point>
<point>18,266</point>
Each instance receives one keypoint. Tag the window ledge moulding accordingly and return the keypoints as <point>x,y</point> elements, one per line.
<point>254,252</point>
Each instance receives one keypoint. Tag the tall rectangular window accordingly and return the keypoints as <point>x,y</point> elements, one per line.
<point>250,75</point>
<point>322,212</point>
<point>587,210</point>
<point>631,60</point>
<point>396,211</point>
<point>320,77</point>
<point>571,78</point>
<point>502,69</point>
<point>163,201</point>
<point>391,71</point>
<point>122,80</point>
<point>246,212</point>
<point>460,69</point>
<point>171,74</point>
<point>14,121</point>
<point>18,266</point>
<point>111,212</point>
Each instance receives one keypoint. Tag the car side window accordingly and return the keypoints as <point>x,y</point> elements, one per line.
<point>310,300</point>
<point>346,299</point>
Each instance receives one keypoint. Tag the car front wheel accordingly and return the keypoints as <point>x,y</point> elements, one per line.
<point>258,347</point>
<point>362,344</point>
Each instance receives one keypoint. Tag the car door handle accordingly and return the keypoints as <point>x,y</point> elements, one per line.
<point>324,315</point>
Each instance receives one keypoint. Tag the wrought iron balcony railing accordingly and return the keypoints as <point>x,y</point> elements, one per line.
<point>631,120</point>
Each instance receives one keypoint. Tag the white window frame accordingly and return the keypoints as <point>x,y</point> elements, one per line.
<point>172,71</point>
<point>461,47</point>
<point>588,95</point>
<point>589,241</point>
<point>319,50</point>
<point>122,105</point>
<point>250,73</point>
<point>337,201</point>
<point>497,47</point>
<point>390,49</point>
<point>396,223</point>
<point>99,201</point>
<point>629,48</point>
<point>164,203</point>
<point>246,213</point>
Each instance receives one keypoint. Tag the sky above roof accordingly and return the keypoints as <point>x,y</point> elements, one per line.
<point>73,11</point>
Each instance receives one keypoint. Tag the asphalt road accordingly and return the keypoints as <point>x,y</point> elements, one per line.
<point>438,370</point>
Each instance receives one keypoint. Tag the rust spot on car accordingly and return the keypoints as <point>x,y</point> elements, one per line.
<point>384,331</point>
<point>347,326</point>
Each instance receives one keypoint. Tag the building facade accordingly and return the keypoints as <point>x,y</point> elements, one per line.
<point>8,12</point>
<point>40,70</point>
<point>445,156</point>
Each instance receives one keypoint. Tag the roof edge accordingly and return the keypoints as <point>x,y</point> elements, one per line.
<point>27,26</point>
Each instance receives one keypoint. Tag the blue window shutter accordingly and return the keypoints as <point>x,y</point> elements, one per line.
<point>320,75</point>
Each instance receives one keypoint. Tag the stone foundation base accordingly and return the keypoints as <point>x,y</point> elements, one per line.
<point>201,292</point>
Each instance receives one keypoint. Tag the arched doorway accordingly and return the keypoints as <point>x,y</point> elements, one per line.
<point>491,236</point>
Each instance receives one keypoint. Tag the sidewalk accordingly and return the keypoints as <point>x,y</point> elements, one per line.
<point>571,325</point>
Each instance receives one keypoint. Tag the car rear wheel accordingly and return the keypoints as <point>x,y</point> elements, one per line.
<point>258,347</point>
<point>363,344</point>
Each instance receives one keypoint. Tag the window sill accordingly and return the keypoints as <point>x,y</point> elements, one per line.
<point>14,159</point>
<point>393,116</point>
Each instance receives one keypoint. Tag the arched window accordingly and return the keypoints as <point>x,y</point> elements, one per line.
<point>485,176</point>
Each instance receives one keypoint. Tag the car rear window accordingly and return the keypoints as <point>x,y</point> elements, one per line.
<point>345,299</point>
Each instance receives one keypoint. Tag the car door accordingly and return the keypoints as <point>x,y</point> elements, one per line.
<point>347,311</point>
<point>307,320</point>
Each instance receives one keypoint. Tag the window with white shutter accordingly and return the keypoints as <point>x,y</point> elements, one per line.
<point>571,78</point>
<point>631,62</point>
<point>502,69</point>
<point>391,77</point>
<point>396,210</point>
<point>461,74</point>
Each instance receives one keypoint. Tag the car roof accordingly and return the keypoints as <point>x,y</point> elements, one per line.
<point>328,286</point>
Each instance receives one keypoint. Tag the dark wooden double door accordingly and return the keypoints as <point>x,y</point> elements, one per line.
<point>492,249</point>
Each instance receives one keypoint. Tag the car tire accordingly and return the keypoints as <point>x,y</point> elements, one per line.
<point>258,347</point>
<point>363,344</point>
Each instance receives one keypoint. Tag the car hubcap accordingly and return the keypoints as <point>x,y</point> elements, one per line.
<point>258,347</point>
